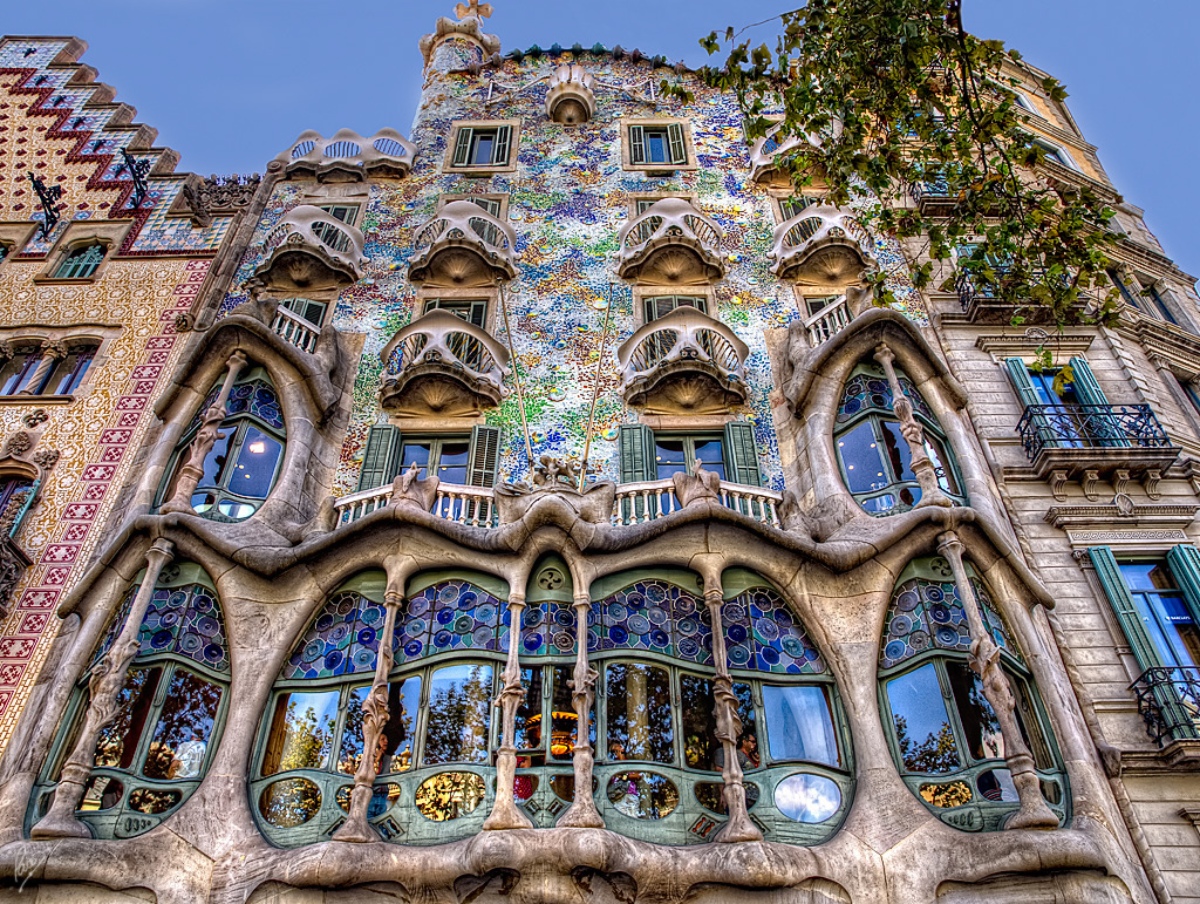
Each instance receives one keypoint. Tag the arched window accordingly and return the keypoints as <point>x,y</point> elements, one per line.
<point>17,373</point>
<point>154,754</point>
<point>30,371</point>
<point>16,495</point>
<point>874,456</point>
<point>944,733</point>
<point>241,467</point>
<point>81,263</point>
<point>657,774</point>
<point>67,375</point>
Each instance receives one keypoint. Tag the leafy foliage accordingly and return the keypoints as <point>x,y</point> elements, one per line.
<point>893,97</point>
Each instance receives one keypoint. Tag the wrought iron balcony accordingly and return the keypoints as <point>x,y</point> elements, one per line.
<point>671,243</point>
<point>464,245</point>
<point>310,249</point>
<point>932,197</point>
<point>441,364</point>
<point>821,245</point>
<point>348,155</point>
<point>1169,702</point>
<point>1101,438</point>
<point>683,362</point>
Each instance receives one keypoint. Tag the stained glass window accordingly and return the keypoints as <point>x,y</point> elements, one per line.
<point>926,613</point>
<point>183,620</point>
<point>762,635</point>
<point>655,616</point>
<point>868,390</point>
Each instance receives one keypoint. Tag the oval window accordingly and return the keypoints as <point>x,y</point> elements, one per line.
<point>997,784</point>
<point>101,793</point>
<point>450,795</point>
<point>949,794</point>
<point>808,798</point>
<point>382,800</point>
<point>290,803</point>
<point>643,795</point>
<point>710,795</point>
<point>153,801</point>
<point>563,787</point>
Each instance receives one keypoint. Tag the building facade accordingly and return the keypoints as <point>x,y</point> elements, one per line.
<point>536,508</point>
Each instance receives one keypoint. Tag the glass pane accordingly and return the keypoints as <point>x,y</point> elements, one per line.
<point>404,702</point>
<point>214,462</point>
<point>669,457</point>
<point>656,146</point>
<point>185,725</point>
<point>981,728</point>
<point>484,143</point>
<point>808,798</point>
<point>290,803</point>
<point>256,463</point>
<point>351,749</point>
<point>452,462</point>
<point>418,454</point>
<point>640,716</point>
<point>643,795</point>
<point>941,465</point>
<point>460,707</point>
<point>1148,576</point>
<point>301,731</point>
<point>711,452</point>
<point>860,456</point>
<point>899,455</point>
<point>563,718</point>
<point>102,792</point>
<point>1171,628</point>
<point>450,795</point>
<point>119,739</point>
<point>529,715</point>
<point>799,725</point>
<point>923,731</point>
<point>701,749</point>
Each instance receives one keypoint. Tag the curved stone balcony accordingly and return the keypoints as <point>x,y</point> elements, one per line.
<point>821,245</point>
<point>685,362</point>
<point>310,249</point>
<point>766,150</point>
<point>440,364</point>
<point>571,99</point>
<point>348,156</point>
<point>463,245</point>
<point>671,243</point>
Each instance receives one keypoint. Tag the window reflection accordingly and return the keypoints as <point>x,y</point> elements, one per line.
<point>981,728</point>
<point>923,731</point>
<point>118,742</point>
<point>640,716</point>
<point>643,795</point>
<point>460,706</point>
<point>799,724</point>
<point>185,725</point>
<point>302,731</point>
<point>396,744</point>
<point>701,748</point>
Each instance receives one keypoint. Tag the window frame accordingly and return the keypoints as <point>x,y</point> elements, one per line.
<point>457,128</point>
<point>80,250</point>
<point>677,162</point>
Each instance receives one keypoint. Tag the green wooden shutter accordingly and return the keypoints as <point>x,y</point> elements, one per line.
<point>741,455</point>
<point>1104,428</point>
<point>678,148</point>
<point>500,148</point>
<point>636,444</point>
<point>462,147</point>
<point>381,461</point>
<point>1087,387</point>
<point>1185,565</point>
<point>1123,605</point>
<point>637,145</point>
<point>484,456</point>
<point>1020,378</point>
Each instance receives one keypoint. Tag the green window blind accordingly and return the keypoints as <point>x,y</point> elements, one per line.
<point>741,454</point>
<point>484,456</point>
<point>462,146</point>
<point>501,147</point>
<point>678,148</point>
<point>1020,378</point>
<point>637,144</point>
<point>636,444</point>
<point>381,460</point>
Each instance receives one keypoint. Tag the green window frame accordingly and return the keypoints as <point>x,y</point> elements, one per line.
<point>170,717</point>
<point>384,457</point>
<point>656,306</point>
<point>642,460</point>
<point>482,146</point>
<point>794,205</point>
<point>651,145</point>
<point>307,309</point>
<point>1066,425</point>
<point>347,213</point>
<point>82,262</point>
<point>473,310</point>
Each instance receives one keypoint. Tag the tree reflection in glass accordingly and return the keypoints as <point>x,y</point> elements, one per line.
<point>701,749</point>
<point>301,732</point>
<point>396,742</point>
<point>640,717</point>
<point>460,706</point>
<point>562,706</point>
<point>180,740</point>
<point>528,735</point>
<point>923,731</point>
<point>978,720</point>
<point>118,741</point>
<point>799,724</point>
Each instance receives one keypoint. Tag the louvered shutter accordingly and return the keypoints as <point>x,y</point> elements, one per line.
<point>1185,565</point>
<point>636,443</point>
<point>1020,378</point>
<point>484,456</point>
<point>381,459</point>
<point>500,148</point>
<point>741,455</point>
<point>637,145</point>
<point>678,148</point>
<point>1047,433</point>
<point>1103,425</point>
<point>1109,573</point>
<point>462,148</point>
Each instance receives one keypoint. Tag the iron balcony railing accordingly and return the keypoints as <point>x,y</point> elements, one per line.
<point>1089,427</point>
<point>1169,702</point>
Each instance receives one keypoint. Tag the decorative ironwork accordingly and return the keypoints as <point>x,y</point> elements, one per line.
<point>1169,702</point>
<point>48,197</point>
<point>1089,427</point>
<point>138,170</point>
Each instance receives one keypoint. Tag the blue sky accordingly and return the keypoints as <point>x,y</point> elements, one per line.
<point>229,83</point>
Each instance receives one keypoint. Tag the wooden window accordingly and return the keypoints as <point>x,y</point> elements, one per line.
<point>81,263</point>
<point>482,146</point>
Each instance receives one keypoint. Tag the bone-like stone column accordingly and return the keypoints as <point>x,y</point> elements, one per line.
<point>729,728</point>
<point>582,814</point>
<point>505,812</point>
<point>1034,813</point>
<point>105,684</point>
<point>375,718</point>
<point>914,434</point>
<point>206,438</point>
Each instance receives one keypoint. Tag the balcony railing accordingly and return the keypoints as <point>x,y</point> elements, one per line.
<point>463,226</point>
<point>820,242</point>
<point>1169,703</point>
<point>309,247</point>
<point>636,503</point>
<point>293,328</point>
<point>1045,427</point>
<point>683,344</point>
<point>349,155</point>
<point>652,241</point>
<point>828,322</point>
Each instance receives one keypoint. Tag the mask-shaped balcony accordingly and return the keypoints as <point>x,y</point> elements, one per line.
<point>685,362</point>
<point>766,151</point>
<point>348,157</point>
<point>310,249</point>
<point>442,365</point>
<point>570,99</point>
<point>463,245</point>
<point>820,245</point>
<point>671,243</point>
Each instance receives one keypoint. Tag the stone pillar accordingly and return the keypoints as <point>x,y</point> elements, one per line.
<point>356,829</point>
<point>52,353</point>
<point>206,437</point>
<point>914,435</point>
<point>1034,813</point>
<point>106,682</point>
<point>505,812</point>
<point>582,814</point>
<point>729,728</point>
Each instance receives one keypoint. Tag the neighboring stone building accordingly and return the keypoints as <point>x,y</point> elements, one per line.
<point>864,591</point>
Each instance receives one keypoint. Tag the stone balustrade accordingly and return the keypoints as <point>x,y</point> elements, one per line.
<point>821,244</point>
<point>828,322</point>
<point>346,154</point>
<point>462,242</point>
<point>294,329</point>
<point>311,249</point>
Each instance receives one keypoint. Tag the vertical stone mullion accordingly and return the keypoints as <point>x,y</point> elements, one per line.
<point>582,814</point>
<point>505,812</point>
<point>914,433</point>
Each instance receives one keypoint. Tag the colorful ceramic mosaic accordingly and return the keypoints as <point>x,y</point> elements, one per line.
<point>762,635</point>
<point>342,640</point>
<point>454,615</point>
<point>183,620</point>
<point>929,614</point>
<point>867,391</point>
<point>654,617</point>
